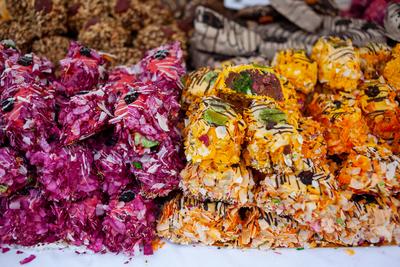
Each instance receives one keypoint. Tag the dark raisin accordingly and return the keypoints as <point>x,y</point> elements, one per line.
<point>161,54</point>
<point>131,97</point>
<point>52,138</point>
<point>82,92</point>
<point>85,51</point>
<point>335,158</point>
<point>306,177</point>
<point>127,196</point>
<point>205,205</point>
<point>25,60</point>
<point>364,197</point>
<point>372,91</point>
<point>287,149</point>
<point>337,103</point>
<point>154,148</point>
<point>243,213</point>
<point>111,141</point>
<point>397,98</point>
<point>270,125</point>
<point>7,105</point>
<point>25,191</point>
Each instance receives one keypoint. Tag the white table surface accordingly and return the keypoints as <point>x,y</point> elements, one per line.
<point>176,256</point>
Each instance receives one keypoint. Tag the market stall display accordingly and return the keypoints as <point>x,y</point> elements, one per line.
<point>285,132</point>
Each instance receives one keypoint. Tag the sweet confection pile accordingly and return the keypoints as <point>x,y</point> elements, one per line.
<point>126,29</point>
<point>85,153</point>
<point>300,154</point>
<point>285,134</point>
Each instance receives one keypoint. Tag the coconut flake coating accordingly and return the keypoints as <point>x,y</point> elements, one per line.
<point>82,70</point>
<point>26,69</point>
<point>84,115</point>
<point>130,224</point>
<point>120,81</point>
<point>80,222</point>
<point>27,220</point>
<point>66,172</point>
<point>111,163</point>
<point>163,66</point>
<point>152,113</point>
<point>13,172</point>
<point>158,172</point>
<point>28,115</point>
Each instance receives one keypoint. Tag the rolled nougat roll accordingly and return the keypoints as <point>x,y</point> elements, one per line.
<point>304,196</point>
<point>373,59</point>
<point>369,219</point>
<point>200,83</point>
<point>338,63</point>
<point>232,184</point>
<point>273,142</point>
<point>391,72</point>
<point>392,21</point>
<point>185,220</point>
<point>215,132</point>
<point>218,34</point>
<point>297,68</point>
<point>381,110</point>
<point>248,82</point>
<point>371,169</point>
<point>343,123</point>
<point>299,13</point>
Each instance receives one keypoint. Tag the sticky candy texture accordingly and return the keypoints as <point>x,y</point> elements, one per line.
<point>66,173</point>
<point>82,69</point>
<point>13,171</point>
<point>130,224</point>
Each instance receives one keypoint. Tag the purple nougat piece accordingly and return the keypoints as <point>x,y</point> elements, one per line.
<point>13,171</point>
<point>130,222</point>
<point>82,70</point>
<point>66,172</point>
<point>84,115</point>
<point>27,220</point>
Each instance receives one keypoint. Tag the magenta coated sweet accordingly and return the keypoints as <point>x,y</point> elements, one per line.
<point>28,117</point>
<point>66,172</point>
<point>82,70</point>
<point>84,115</point>
<point>20,70</point>
<point>158,172</point>
<point>13,172</point>
<point>113,168</point>
<point>100,145</point>
<point>80,223</point>
<point>130,224</point>
<point>27,220</point>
